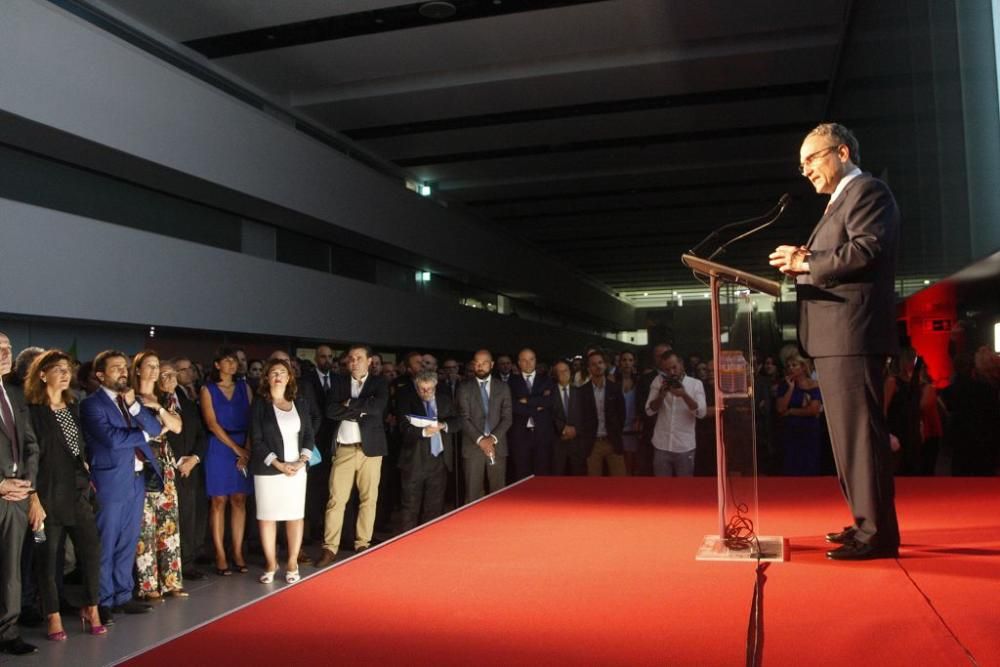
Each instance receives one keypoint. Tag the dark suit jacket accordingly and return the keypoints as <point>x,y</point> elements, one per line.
<point>368,409</point>
<point>470,408</point>
<point>27,445</point>
<point>311,389</point>
<point>614,414</point>
<point>111,445</point>
<point>560,418</point>
<point>265,436</point>
<point>62,477</point>
<point>416,449</point>
<point>192,440</point>
<point>847,302</point>
<point>538,407</point>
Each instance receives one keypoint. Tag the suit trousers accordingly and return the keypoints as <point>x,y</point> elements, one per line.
<point>569,457</point>
<point>423,486</point>
<point>87,545</point>
<point>476,468</point>
<point>13,526</point>
<point>351,467</point>
<point>603,451</point>
<point>119,524</point>
<point>192,506</point>
<point>852,400</point>
<point>531,451</point>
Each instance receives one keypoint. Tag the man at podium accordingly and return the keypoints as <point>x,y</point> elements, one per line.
<point>844,278</point>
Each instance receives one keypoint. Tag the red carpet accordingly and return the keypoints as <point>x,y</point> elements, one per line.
<point>563,571</point>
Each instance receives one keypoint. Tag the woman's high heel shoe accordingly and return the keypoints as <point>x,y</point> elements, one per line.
<point>291,576</point>
<point>93,629</point>
<point>56,636</point>
<point>267,577</point>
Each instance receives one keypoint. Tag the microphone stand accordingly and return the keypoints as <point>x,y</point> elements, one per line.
<point>782,203</point>
<point>781,209</point>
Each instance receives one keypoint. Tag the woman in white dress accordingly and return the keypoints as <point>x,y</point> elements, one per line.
<point>281,444</point>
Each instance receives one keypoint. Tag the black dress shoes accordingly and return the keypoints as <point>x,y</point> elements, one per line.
<point>843,537</point>
<point>194,575</point>
<point>859,551</point>
<point>107,618</point>
<point>132,607</point>
<point>17,646</point>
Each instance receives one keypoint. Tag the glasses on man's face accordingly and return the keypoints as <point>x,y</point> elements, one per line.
<point>168,375</point>
<point>815,156</point>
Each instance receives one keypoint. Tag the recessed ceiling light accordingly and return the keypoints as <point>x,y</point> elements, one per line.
<point>437,10</point>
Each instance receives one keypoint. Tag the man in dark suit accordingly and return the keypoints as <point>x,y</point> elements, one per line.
<point>568,456</point>
<point>314,387</point>
<point>188,447</point>
<point>531,432</point>
<point>485,407</point>
<point>602,419</point>
<point>117,429</point>
<point>357,404</point>
<point>426,455</point>
<point>844,282</point>
<point>19,465</point>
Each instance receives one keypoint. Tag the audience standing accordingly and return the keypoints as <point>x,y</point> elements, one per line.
<point>677,401</point>
<point>485,408</point>
<point>569,454</point>
<point>531,432</point>
<point>798,405</point>
<point>602,420</point>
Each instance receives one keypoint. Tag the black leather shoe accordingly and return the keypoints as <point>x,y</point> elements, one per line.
<point>133,607</point>
<point>194,575</point>
<point>859,551</point>
<point>107,618</point>
<point>17,646</point>
<point>843,537</point>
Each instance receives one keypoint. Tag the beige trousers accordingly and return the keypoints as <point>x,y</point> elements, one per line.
<point>603,451</point>
<point>351,467</point>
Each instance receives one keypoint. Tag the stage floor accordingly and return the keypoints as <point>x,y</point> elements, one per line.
<point>576,571</point>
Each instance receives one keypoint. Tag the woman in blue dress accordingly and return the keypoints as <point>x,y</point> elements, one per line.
<point>225,407</point>
<point>798,404</point>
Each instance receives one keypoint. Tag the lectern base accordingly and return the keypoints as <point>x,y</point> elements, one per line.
<point>772,549</point>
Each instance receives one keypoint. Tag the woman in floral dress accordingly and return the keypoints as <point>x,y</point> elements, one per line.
<point>158,554</point>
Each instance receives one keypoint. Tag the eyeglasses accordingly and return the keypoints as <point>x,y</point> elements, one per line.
<point>815,156</point>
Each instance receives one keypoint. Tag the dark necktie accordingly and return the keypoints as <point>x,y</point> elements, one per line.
<point>565,399</point>
<point>326,383</point>
<point>9,426</point>
<point>128,421</point>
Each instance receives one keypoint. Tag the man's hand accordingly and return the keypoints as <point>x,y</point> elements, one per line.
<point>489,445</point>
<point>129,396</point>
<point>678,391</point>
<point>790,260</point>
<point>431,430</point>
<point>568,432</point>
<point>36,514</point>
<point>14,489</point>
<point>522,401</point>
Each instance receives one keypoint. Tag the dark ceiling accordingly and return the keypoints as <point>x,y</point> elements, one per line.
<point>614,134</point>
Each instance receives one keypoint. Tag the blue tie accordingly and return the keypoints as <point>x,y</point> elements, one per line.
<point>486,407</point>
<point>436,445</point>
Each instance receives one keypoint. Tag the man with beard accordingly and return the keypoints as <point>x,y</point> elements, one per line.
<point>117,429</point>
<point>485,408</point>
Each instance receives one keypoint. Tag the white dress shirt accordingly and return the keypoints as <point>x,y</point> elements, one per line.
<point>349,430</point>
<point>675,421</point>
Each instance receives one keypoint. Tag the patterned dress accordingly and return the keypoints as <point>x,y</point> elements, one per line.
<point>158,555</point>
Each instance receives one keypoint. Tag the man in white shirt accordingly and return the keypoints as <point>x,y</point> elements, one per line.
<point>357,404</point>
<point>676,401</point>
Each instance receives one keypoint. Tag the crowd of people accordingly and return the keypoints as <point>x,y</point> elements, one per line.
<point>138,468</point>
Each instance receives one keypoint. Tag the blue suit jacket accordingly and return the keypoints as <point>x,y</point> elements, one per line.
<point>111,445</point>
<point>540,400</point>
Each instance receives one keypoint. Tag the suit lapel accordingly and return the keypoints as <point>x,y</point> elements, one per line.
<point>837,204</point>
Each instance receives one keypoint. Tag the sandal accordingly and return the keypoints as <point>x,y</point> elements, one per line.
<point>242,569</point>
<point>224,572</point>
<point>291,576</point>
<point>267,577</point>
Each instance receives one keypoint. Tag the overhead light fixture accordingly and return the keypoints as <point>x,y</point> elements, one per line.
<point>437,10</point>
<point>425,190</point>
<point>645,293</point>
<point>423,276</point>
<point>927,282</point>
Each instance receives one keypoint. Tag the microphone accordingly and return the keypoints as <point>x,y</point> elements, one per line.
<point>782,205</point>
<point>779,207</point>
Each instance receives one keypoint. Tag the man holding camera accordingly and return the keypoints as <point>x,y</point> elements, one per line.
<point>676,401</point>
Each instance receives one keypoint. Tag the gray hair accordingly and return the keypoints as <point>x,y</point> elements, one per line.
<point>23,361</point>
<point>841,135</point>
<point>426,377</point>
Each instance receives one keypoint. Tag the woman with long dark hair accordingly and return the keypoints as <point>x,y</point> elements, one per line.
<point>64,489</point>
<point>225,408</point>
